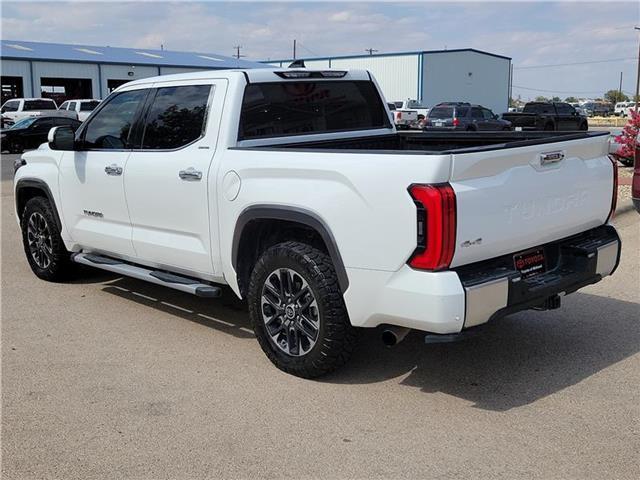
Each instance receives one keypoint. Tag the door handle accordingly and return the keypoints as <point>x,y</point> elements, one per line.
<point>190,174</point>
<point>113,169</point>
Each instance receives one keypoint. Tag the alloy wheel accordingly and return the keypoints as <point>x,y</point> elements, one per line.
<point>40,241</point>
<point>290,312</point>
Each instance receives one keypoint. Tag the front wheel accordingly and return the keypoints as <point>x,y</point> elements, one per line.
<point>43,246</point>
<point>297,311</point>
<point>16,147</point>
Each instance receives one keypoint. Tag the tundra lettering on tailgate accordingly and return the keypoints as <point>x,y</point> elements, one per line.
<point>536,208</point>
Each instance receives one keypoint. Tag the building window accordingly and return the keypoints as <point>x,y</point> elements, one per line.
<point>63,89</point>
<point>11,88</point>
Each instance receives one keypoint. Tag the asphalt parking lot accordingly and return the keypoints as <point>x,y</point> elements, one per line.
<point>108,377</point>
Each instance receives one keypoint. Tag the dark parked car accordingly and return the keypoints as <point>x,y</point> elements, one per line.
<point>463,116</point>
<point>547,116</point>
<point>31,132</point>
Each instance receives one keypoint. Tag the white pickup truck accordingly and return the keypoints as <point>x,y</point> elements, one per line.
<point>82,107</point>
<point>19,108</point>
<point>293,188</point>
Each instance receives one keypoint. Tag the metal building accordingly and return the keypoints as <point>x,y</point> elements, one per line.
<point>432,76</point>
<point>63,71</point>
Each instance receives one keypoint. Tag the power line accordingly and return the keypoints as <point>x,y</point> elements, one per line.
<point>553,91</point>
<point>573,63</point>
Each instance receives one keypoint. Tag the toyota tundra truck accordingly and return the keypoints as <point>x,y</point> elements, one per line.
<point>293,188</point>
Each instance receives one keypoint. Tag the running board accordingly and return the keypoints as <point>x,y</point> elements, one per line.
<point>177,282</point>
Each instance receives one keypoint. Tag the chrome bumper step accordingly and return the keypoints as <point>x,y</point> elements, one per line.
<point>158,277</point>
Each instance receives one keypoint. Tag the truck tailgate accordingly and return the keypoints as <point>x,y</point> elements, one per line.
<point>512,199</point>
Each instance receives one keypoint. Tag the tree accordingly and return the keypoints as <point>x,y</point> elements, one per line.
<point>615,96</point>
<point>627,139</point>
<point>540,98</point>
<point>555,99</point>
<point>571,100</point>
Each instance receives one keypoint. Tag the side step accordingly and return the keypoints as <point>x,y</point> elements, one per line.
<point>177,282</point>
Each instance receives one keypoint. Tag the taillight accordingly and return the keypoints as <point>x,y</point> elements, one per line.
<point>614,196</point>
<point>456,122</point>
<point>436,225</point>
<point>398,115</point>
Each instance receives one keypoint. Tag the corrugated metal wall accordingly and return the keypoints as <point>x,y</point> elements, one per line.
<point>121,72</point>
<point>18,68</point>
<point>466,77</point>
<point>397,75</point>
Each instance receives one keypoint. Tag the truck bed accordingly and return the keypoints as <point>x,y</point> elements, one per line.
<point>434,142</point>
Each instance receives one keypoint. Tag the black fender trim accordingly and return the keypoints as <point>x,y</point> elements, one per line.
<point>291,214</point>
<point>42,186</point>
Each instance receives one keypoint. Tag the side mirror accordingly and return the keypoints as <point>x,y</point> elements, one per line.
<point>61,138</point>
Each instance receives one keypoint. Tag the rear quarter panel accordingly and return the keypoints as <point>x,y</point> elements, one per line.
<point>362,198</point>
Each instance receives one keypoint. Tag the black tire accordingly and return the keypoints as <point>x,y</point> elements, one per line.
<point>335,336</point>
<point>59,266</point>
<point>584,126</point>
<point>16,147</point>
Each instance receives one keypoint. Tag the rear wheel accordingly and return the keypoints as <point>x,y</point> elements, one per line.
<point>584,126</point>
<point>297,311</point>
<point>43,246</point>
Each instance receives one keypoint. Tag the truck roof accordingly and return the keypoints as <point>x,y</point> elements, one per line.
<point>258,75</point>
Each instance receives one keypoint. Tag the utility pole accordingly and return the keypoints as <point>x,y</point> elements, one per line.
<point>637,97</point>
<point>370,50</point>
<point>237,49</point>
<point>294,48</point>
<point>620,88</point>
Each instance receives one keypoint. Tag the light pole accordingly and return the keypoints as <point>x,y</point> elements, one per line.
<point>636,98</point>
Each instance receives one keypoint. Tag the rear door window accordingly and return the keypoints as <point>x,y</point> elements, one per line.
<point>88,106</point>
<point>309,107</point>
<point>176,117</point>
<point>476,113</point>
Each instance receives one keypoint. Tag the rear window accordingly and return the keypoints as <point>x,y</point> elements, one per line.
<point>34,105</point>
<point>441,112</point>
<point>539,108</point>
<point>88,106</point>
<point>296,108</point>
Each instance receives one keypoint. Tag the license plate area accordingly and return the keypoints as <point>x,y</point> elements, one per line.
<point>530,263</point>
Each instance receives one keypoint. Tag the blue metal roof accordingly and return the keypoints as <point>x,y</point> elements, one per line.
<point>19,50</point>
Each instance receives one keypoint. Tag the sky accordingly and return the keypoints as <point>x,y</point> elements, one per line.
<point>534,34</point>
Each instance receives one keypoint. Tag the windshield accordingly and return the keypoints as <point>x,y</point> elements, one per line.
<point>24,123</point>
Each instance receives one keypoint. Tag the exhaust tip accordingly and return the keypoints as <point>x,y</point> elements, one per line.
<point>389,338</point>
<point>394,335</point>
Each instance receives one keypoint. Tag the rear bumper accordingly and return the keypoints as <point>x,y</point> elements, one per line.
<point>449,301</point>
<point>495,288</point>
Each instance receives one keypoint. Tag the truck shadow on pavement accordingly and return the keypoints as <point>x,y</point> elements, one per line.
<point>513,362</point>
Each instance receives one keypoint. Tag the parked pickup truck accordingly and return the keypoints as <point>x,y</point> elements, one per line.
<point>19,108</point>
<point>547,116</point>
<point>403,119</point>
<point>294,188</point>
<point>82,107</point>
